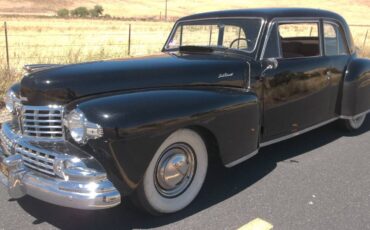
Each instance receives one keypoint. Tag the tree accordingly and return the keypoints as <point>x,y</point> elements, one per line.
<point>96,11</point>
<point>93,13</point>
<point>64,13</point>
<point>80,12</point>
<point>99,10</point>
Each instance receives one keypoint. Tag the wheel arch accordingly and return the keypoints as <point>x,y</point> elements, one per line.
<point>356,89</point>
<point>210,141</point>
<point>136,123</point>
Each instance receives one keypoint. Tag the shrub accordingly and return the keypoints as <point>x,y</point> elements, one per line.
<point>99,10</point>
<point>63,13</point>
<point>80,12</point>
<point>93,13</point>
<point>96,11</point>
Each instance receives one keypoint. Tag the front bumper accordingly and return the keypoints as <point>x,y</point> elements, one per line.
<point>89,193</point>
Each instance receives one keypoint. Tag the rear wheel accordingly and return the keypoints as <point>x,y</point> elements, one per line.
<point>354,123</point>
<point>175,174</point>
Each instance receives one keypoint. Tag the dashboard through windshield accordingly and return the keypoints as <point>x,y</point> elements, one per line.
<point>238,34</point>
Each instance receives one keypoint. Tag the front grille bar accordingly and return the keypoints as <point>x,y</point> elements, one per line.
<point>37,160</point>
<point>42,121</point>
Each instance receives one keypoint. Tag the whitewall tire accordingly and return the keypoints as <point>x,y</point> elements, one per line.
<point>176,173</point>
<point>355,123</point>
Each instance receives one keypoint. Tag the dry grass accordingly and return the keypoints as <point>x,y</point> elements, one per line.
<point>34,40</point>
<point>355,11</point>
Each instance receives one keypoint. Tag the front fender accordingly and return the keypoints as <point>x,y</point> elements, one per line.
<point>356,88</point>
<point>136,123</point>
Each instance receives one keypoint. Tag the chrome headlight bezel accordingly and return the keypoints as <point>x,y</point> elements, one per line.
<point>10,99</point>
<point>80,129</point>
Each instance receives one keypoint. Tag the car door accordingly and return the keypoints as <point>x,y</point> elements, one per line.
<point>296,94</point>
<point>337,52</point>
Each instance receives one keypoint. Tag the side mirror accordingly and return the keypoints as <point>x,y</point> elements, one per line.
<point>269,63</point>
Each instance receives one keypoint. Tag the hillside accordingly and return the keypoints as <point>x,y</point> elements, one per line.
<point>355,11</point>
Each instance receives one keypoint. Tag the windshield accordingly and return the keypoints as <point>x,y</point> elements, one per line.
<point>239,34</point>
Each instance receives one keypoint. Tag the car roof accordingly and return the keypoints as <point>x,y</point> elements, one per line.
<point>268,14</point>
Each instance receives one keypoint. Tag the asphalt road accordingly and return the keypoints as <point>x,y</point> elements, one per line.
<point>319,180</point>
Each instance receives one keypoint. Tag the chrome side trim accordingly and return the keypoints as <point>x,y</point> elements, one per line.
<point>263,144</point>
<point>351,117</point>
<point>250,73</point>
<point>38,67</point>
<point>240,160</point>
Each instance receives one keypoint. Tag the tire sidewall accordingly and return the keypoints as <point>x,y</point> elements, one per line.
<point>352,126</point>
<point>162,204</point>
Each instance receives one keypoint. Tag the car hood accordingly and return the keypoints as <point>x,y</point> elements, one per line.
<point>63,84</point>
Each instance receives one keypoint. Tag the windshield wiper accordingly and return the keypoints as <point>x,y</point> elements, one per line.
<point>196,49</point>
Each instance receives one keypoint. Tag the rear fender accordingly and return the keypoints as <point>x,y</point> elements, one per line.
<point>356,89</point>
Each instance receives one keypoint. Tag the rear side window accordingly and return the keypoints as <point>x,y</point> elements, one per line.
<point>334,40</point>
<point>299,39</point>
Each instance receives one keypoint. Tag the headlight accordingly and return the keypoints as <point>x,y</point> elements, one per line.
<point>80,128</point>
<point>10,99</point>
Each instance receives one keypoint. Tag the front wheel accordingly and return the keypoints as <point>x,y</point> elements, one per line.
<point>175,174</point>
<point>354,123</point>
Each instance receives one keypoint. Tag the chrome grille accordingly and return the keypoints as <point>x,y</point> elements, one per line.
<point>42,121</point>
<point>36,159</point>
<point>6,143</point>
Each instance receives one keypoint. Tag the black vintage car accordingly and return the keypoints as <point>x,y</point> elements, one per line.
<point>226,84</point>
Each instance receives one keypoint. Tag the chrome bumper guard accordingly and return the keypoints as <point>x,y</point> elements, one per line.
<point>80,191</point>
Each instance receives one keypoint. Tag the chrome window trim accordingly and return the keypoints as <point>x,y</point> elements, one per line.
<point>292,21</point>
<point>259,36</point>
<point>341,31</point>
<point>346,35</point>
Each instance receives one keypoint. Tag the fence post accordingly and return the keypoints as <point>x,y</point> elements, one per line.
<point>363,46</point>
<point>7,45</point>
<point>129,40</point>
<point>165,10</point>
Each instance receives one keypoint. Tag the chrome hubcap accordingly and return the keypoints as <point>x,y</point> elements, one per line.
<point>357,121</point>
<point>175,170</point>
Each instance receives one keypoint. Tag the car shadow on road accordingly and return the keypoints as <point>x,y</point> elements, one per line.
<point>221,184</point>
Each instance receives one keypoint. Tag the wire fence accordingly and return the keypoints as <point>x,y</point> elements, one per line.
<point>76,47</point>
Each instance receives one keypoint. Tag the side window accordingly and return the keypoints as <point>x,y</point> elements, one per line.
<point>299,39</point>
<point>334,40</point>
<point>272,46</point>
<point>235,36</point>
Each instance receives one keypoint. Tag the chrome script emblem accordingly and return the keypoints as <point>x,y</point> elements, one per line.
<point>225,75</point>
